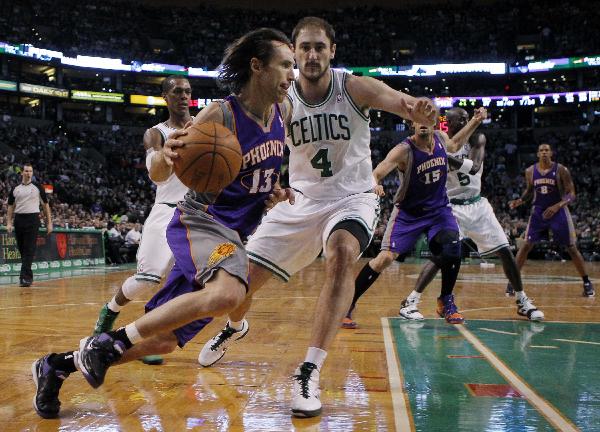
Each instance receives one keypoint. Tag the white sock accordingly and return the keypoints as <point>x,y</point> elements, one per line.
<point>316,356</point>
<point>414,297</point>
<point>236,325</point>
<point>133,334</point>
<point>520,295</point>
<point>113,305</point>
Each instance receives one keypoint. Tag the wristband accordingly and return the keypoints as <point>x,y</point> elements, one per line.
<point>466,166</point>
<point>568,198</point>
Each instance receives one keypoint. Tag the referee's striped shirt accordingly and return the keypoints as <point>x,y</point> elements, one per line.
<point>26,198</point>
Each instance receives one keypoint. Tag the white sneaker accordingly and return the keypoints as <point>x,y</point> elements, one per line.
<point>305,392</point>
<point>409,310</point>
<point>215,348</point>
<point>526,308</point>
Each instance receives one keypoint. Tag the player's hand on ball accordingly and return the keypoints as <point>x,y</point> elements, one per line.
<point>379,190</point>
<point>423,111</point>
<point>173,143</point>
<point>279,195</point>
<point>480,114</point>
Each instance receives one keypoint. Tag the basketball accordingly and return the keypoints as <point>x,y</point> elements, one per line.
<point>210,159</point>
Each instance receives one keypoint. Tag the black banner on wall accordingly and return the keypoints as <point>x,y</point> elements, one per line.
<point>63,248</point>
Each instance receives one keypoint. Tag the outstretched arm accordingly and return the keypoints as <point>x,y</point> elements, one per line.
<point>369,93</point>
<point>463,135</point>
<point>396,158</point>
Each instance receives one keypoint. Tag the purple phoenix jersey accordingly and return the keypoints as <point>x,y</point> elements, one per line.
<point>203,242</point>
<point>421,204</point>
<point>547,193</point>
<point>240,206</point>
<point>426,186</point>
<point>546,187</point>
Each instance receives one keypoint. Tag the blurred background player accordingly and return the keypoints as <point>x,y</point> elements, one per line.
<point>421,205</point>
<point>336,209</point>
<point>154,257</point>
<point>24,205</point>
<point>551,187</point>
<point>475,217</point>
<point>210,274</point>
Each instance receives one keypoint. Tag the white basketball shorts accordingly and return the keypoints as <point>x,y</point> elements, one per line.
<point>290,237</point>
<point>478,222</point>
<point>154,257</point>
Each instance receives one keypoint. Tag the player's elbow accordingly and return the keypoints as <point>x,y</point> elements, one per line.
<point>475,168</point>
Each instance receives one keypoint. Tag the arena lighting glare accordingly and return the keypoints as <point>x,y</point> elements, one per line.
<point>522,100</point>
<point>432,70</point>
<point>557,63</point>
<point>28,50</point>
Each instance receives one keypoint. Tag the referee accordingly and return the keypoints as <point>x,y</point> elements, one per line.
<point>24,202</point>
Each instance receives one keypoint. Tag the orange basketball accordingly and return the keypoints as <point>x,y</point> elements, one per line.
<point>210,159</point>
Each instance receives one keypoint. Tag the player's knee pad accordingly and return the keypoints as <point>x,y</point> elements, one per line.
<point>134,288</point>
<point>356,229</point>
<point>446,247</point>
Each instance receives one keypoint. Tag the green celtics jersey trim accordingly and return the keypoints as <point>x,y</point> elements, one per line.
<point>330,154</point>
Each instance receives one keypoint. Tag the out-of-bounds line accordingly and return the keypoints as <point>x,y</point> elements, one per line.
<point>544,407</point>
<point>497,331</point>
<point>399,399</point>
<point>577,341</point>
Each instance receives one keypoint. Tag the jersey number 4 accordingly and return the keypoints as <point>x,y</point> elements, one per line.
<point>321,162</point>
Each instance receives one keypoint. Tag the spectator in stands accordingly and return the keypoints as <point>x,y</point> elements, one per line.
<point>132,241</point>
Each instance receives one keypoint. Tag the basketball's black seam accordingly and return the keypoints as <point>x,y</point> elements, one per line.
<point>212,160</point>
<point>213,154</point>
<point>192,162</point>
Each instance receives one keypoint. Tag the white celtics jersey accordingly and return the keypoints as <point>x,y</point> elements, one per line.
<point>329,142</point>
<point>171,190</point>
<point>460,185</point>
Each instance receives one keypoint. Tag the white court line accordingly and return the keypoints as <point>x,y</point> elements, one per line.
<point>577,341</point>
<point>399,400</point>
<point>544,407</point>
<point>498,331</point>
<point>541,307</point>
<point>523,320</point>
<point>543,346</point>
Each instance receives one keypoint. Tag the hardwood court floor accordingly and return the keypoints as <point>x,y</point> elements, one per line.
<point>250,389</point>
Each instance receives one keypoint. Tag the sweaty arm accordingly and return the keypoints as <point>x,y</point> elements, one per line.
<point>396,158</point>
<point>153,141</point>
<point>162,160</point>
<point>528,194</point>
<point>566,185</point>
<point>369,92</point>
<point>472,165</point>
